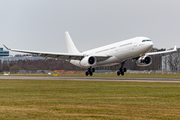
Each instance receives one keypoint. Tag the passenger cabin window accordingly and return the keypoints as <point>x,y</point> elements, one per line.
<point>146,40</point>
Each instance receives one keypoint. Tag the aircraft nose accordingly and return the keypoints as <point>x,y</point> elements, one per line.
<point>150,45</point>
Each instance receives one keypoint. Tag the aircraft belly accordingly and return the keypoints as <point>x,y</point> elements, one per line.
<point>111,61</point>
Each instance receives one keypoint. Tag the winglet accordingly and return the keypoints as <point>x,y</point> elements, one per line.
<point>175,48</point>
<point>6,47</point>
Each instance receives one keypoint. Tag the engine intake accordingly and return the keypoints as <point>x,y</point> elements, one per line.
<point>91,60</point>
<point>145,61</point>
<point>88,61</point>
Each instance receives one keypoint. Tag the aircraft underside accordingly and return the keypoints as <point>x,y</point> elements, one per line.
<point>121,70</point>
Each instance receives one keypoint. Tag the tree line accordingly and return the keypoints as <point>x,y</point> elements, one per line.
<point>170,61</point>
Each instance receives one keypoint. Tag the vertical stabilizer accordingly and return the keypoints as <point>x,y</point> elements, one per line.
<point>70,44</point>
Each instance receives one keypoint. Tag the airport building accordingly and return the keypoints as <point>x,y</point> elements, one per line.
<point>21,57</point>
<point>3,53</point>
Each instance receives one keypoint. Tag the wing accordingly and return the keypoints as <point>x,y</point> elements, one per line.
<point>66,56</point>
<point>162,52</point>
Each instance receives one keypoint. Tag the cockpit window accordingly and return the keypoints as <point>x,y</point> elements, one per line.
<point>146,40</point>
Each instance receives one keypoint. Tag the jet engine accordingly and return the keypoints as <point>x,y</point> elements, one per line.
<point>88,61</point>
<point>144,61</point>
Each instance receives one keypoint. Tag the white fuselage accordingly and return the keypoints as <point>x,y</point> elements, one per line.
<point>119,51</point>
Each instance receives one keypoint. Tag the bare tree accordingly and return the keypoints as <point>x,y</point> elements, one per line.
<point>174,60</point>
<point>165,62</point>
<point>15,68</point>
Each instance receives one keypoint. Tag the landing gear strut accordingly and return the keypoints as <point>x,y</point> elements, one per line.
<point>121,70</point>
<point>90,71</point>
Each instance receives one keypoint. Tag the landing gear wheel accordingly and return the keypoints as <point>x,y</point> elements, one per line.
<point>122,73</point>
<point>118,73</point>
<point>86,73</point>
<point>90,73</point>
<point>122,70</point>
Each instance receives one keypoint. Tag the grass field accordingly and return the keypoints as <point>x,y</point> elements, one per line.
<point>38,99</point>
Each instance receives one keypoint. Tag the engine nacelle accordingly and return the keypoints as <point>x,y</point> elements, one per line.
<point>88,61</point>
<point>145,61</point>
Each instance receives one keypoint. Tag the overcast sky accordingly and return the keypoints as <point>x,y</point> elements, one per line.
<point>39,25</point>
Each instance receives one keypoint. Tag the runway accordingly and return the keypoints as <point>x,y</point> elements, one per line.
<point>117,79</point>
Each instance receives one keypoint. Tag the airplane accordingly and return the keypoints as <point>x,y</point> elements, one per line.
<point>117,53</point>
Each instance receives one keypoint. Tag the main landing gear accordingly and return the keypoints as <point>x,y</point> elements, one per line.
<point>90,71</point>
<point>122,70</point>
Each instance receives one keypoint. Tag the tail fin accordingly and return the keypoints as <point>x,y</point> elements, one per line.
<point>70,45</point>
